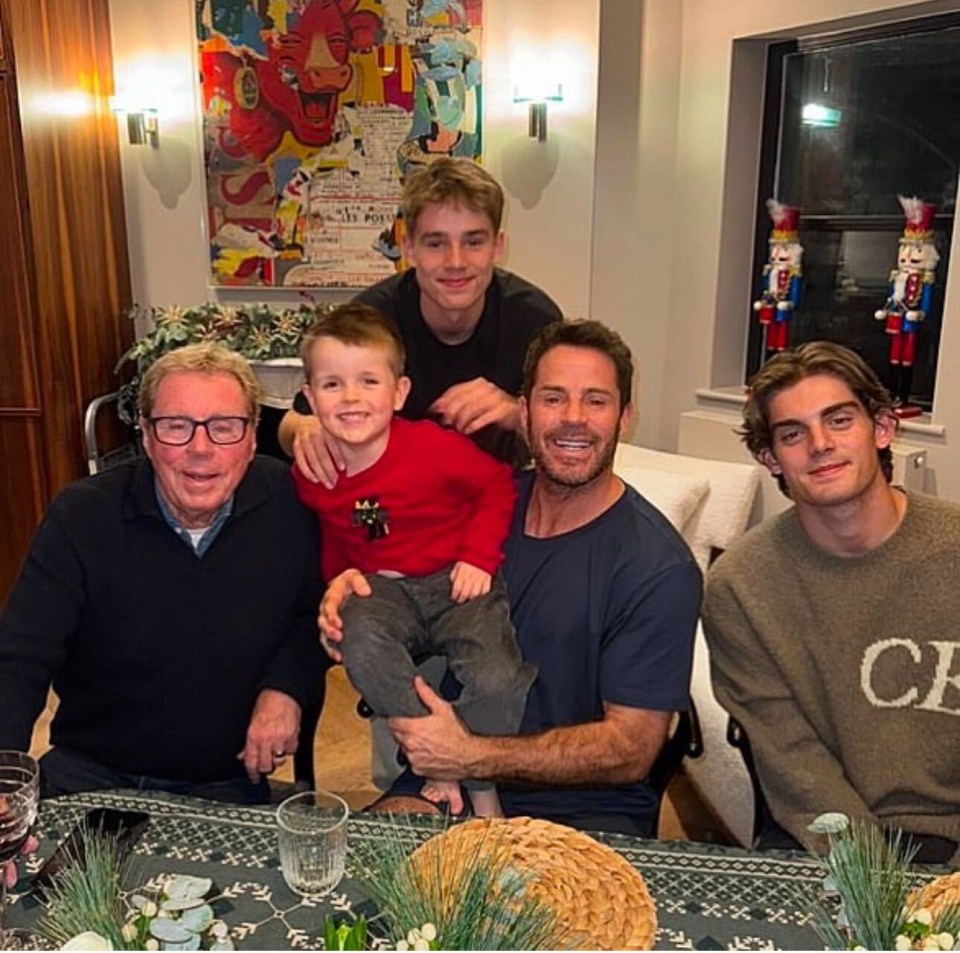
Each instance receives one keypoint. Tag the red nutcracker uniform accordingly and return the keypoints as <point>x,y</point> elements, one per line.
<point>911,293</point>
<point>781,277</point>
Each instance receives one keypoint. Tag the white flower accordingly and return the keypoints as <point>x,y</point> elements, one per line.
<point>129,932</point>
<point>403,945</point>
<point>149,909</point>
<point>930,943</point>
<point>945,940</point>
<point>422,944</point>
<point>151,945</point>
<point>429,932</point>
<point>87,941</point>
<point>923,915</point>
<point>903,943</point>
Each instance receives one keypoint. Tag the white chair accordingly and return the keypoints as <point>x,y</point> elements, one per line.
<point>710,502</point>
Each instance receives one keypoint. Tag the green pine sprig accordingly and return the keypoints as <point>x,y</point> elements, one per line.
<point>867,885</point>
<point>469,892</point>
<point>86,894</point>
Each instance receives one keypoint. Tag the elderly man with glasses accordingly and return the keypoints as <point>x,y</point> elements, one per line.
<point>171,603</point>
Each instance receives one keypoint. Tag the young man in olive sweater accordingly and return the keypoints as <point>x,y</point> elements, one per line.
<point>832,627</point>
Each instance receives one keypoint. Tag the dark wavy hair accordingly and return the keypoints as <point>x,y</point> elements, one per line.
<point>787,368</point>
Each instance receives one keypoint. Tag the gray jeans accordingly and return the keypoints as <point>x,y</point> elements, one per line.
<point>414,617</point>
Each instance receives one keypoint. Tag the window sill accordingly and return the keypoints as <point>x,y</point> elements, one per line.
<point>737,397</point>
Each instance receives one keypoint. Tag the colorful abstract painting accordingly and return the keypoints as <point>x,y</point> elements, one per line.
<point>313,111</point>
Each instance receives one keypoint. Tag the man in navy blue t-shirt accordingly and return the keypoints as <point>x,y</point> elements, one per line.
<point>604,595</point>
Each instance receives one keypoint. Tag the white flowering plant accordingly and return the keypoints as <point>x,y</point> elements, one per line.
<point>868,900</point>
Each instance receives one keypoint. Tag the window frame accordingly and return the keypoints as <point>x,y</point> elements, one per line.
<point>773,110</point>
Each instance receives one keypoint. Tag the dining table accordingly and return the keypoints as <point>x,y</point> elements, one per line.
<point>708,897</point>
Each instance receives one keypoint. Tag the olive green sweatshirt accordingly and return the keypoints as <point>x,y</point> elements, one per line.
<point>845,672</point>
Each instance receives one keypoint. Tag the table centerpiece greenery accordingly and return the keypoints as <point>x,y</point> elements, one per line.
<point>870,899</point>
<point>457,896</point>
<point>87,907</point>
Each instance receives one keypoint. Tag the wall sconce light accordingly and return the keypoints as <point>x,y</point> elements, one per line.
<point>143,127</point>
<point>537,122</point>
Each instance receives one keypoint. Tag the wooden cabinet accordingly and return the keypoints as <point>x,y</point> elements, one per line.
<point>63,268</point>
<point>4,54</point>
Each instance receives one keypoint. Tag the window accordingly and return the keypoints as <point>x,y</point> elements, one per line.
<point>851,123</point>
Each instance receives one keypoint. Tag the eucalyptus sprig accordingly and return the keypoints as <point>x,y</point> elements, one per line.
<point>87,907</point>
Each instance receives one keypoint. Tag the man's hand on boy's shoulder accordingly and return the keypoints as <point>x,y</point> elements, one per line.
<point>317,455</point>
<point>468,582</point>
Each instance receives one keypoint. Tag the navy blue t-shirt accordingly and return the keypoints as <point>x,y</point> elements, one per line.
<point>606,612</point>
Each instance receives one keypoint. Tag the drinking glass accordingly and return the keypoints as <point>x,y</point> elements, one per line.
<point>312,837</point>
<point>19,795</point>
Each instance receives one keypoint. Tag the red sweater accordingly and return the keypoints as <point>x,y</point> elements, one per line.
<point>433,498</point>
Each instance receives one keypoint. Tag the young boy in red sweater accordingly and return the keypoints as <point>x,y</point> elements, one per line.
<point>423,513</point>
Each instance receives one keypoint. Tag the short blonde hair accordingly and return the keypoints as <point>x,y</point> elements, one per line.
<point>358,325</point>
<point>452,181</point>
<point>208,358</point>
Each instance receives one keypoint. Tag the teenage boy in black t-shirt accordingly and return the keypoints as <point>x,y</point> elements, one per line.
<point>465,324</point>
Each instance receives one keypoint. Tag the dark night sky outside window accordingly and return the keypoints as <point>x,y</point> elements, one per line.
<point>898,99</point>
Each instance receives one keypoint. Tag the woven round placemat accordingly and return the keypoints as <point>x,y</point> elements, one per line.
<point>938,894</point>
<point>595,893</point>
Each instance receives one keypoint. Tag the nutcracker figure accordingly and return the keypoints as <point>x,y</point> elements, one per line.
<point>911,294</point>
<point>781,278</point>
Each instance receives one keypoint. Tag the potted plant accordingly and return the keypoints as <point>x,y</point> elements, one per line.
<point>268,336</point>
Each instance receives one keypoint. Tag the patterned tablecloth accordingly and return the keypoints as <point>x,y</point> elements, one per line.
<point>707,897</point>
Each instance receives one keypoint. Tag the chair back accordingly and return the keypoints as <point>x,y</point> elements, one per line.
<point>98,458</point>
<point>710,503</point>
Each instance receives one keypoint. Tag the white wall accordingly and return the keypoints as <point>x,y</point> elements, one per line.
<point>699,113</point>
<point>163,188</point>
<point>549,185</point>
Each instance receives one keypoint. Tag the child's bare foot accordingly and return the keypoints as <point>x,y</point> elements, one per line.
<point>444,792</point>
<point>486,803</point>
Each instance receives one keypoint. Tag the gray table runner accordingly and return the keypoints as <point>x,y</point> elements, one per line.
<point>707,897</point>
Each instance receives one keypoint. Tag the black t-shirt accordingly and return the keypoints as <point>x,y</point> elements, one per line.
<point>513,312</point>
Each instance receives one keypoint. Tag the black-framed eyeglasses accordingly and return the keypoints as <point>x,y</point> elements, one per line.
<point>179,431</point>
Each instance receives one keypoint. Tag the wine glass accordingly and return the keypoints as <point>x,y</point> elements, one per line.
<point>19,795</point>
